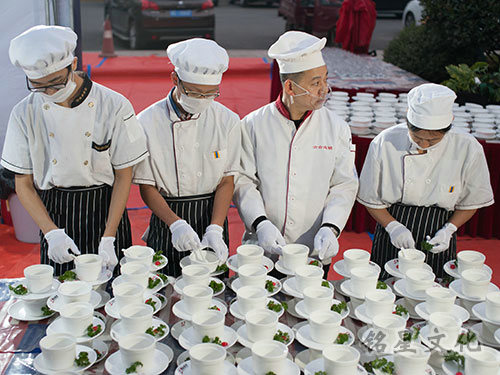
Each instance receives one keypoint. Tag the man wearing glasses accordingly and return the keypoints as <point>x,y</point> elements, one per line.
<point>194,142</point>
<point>72,144</point>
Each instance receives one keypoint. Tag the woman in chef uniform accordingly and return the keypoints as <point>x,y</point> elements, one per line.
<point>194,146</point>
<point>72,144</point>
<point>422,180</point>
<point>298,182</point>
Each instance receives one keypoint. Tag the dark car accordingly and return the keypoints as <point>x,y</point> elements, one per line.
<point>143,21</point>
<point>396,7</point>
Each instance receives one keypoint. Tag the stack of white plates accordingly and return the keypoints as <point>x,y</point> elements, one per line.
<point>340,95</point>
<point>360,125</point>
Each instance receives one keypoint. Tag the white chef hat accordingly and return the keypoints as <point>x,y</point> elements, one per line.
<point>199,61</point>
<point>297,51</point>
<point>430,106</point>
<point>43,50</point>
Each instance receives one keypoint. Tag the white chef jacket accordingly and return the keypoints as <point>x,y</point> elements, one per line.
<point>188,157</point>
<point>298,179</point>
<point>80,146</point>
<point>454,175</point>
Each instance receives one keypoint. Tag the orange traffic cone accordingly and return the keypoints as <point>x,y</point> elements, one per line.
<point>108,48</point>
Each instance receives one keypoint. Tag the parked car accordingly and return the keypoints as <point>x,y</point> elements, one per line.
<point>412,14</point>
<point>142,21</point>
<point>386,7</point>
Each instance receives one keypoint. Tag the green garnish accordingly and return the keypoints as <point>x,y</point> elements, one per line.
<point>93,330</point>
<point>426,246</point>
<point>285,305</point>
<point>99,354</point>
<point>158,331</point>
<point>153,282</point>
<point>82,360</point>
<point>381,364</point>
<point>215,340</point>
<point>214,307</point>
<point>217,287</point>
<point>158,257</point>
<point>466,338</point>
<point>342,338</point>
<point>339,307</point>
<point>270,373</point>
<point>281,336</point>
<point>151,303</point>
<point>67,276</point>
<point>222,268</point>
<point>163,277</point>
<point>161,298</point>
<point>326,284</point>
<point>315,263</point>
<point>276,307</point>
<point>381,285</point>
<point>46,311</point>
<point>269,286</point>
<point>452,356</point>
<point>400,310</point>
<point>20,289</point>
<point>408,336</point>
<point>320,373</point>
<point>133,367</point>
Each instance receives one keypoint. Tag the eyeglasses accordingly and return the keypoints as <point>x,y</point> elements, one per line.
<point>57,86</point>
<point>199,95</point>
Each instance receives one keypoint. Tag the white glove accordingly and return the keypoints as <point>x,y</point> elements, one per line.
<point>326,243</point>
<point>59,245</point>
<point>213,239</point>
<point>401,237</point>
<point>184,238</point>
<point>441,239</point>
<point>107,252</point>
<point>270,237</point>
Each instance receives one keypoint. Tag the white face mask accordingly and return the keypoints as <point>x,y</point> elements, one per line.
<point>63,94</point>
<point>193,105</point>
<point>425,148</point>
<point>307,92</point>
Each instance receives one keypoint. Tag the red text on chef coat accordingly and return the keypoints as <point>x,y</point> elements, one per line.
<point>322,147</point>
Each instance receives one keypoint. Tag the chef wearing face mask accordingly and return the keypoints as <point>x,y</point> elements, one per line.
<point>74,141</point>
<point>422,180</point>
<point>298,181</point>
<point>194,145</point>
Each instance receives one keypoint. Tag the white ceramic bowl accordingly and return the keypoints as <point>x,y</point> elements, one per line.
<point>195,274</point>
<point>317,298</point>
<point>249,254</point>
<point>59,351</point>
<point>261,324</point>
<point>308,275</point>
<point>294,255</point>
<point>135,272</point>
<point>410,258</point>
<point>356,258</point>
<point>468,259</point>
<point>141,254</point>
<point>39,277</point>
<point>379,301</point>
<point>76,317</point>
<point>127,293</point>
<point>325,326</point>
<point>136,318</point>
<point>475,283</point>
<point>447,325</point>
<point>251,298</point>
<point>482,362</point>
<point>88,267</point>
<point>341,359</point>
<point>137,347</point>
<point>413,361</point>
<point>418,280</point>
<point>492,307</point>
<point>391,326</point>
<point>209,259</point>
<point>252,274</point>
<point>197,297</point>
<point>269,356</point>
<point>439,300</point>
<point>208,323</point>
<point>364,279</point>
<point>75,291</point>
<point>207,359</point>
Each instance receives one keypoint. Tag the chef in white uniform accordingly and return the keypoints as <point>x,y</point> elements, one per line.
<point>298,182</point>
<point>194,146</point>
<point>423,180</point>
<point>72,144</point>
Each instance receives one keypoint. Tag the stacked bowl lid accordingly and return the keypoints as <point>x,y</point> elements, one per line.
<point>482,122</point>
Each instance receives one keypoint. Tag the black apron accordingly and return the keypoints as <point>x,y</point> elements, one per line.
<point>82,212</point>
<point>197,211</point>
<point>421,221</point>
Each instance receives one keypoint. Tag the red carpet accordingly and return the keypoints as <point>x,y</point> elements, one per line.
<point>144,80</point>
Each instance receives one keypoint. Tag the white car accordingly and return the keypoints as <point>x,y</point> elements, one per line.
<point>412,15</point>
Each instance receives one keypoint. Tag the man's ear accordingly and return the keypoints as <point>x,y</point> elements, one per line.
<point>287,87</point>
<point>174,78</point>
<point>74,64</point>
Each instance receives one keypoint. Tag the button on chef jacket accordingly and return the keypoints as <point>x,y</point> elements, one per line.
<point>454,175</point>
<point>189,157</point>
<point>300,178</point>
<point>79,146</point>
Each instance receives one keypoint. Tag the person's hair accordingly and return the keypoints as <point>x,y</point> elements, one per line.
<point>415,129</point>
<point>292,76</point>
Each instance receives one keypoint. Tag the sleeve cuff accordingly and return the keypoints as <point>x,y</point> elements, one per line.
<point>132,162</point>
<point>15,168</point>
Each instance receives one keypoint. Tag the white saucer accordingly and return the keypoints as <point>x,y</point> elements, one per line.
<point>34,296</point>
<point>101,347</point>
<point>232,263</point>
<point>55,302</point>
<point>477,329</point>
<point>185,369</point>
<point>245,353</point>
<point>456,286</point>
<point>468,305</point>
<point>105,297</point>
<point>302,312</point>
<point>304,337</point>
<point>179,327</point>
<point>104,277</point>
<point>305,356</point>
<point>400,287</point>
<point>179,309</point>
<point>163,300</point>
<point>318,365</point>
<point>245,341</point>
<point>57,326</point>
<point>290,287</point>
<point>235,311</point>
<point>424,337</point>
<point>453,272</point>
<point>180,284</point>
<point>280,266</point>
<point>112,310</point>
<point>186,262</point>
<point>184,356</point>
<point>120,279</point>
<point>19,312</point>
<point>497,335</point>
<point>41,367</point>
<point>459,312</point>
<point>345,287</point>
<point>411,311</point>
<point>115,366</point>
<point>340,268</point>
<point>245,367</point>
<point>291,308</point>
<point>117,330</point>
<point>392,268</point>
<point>236,284</point>
<point>188,338</point>
<point>153,267</point>
<point>362,316</point>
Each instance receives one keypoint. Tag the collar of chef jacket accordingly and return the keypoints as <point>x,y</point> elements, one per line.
<point>84,90</point>
<point>413,149</point>
<point>280,106</point>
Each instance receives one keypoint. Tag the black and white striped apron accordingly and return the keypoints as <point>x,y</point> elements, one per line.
<point>197,211</point>
<point>82,212</point>
<point>421,221</point>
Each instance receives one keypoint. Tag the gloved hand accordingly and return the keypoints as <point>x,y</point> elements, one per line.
<point>213,239</point>
<point>441,239</point>
<point>59,245</point>
<point>401,237</point>
<point>107,251</point>
<point>270,237</point>
<point>184,238</point>
<point>326,243</point>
